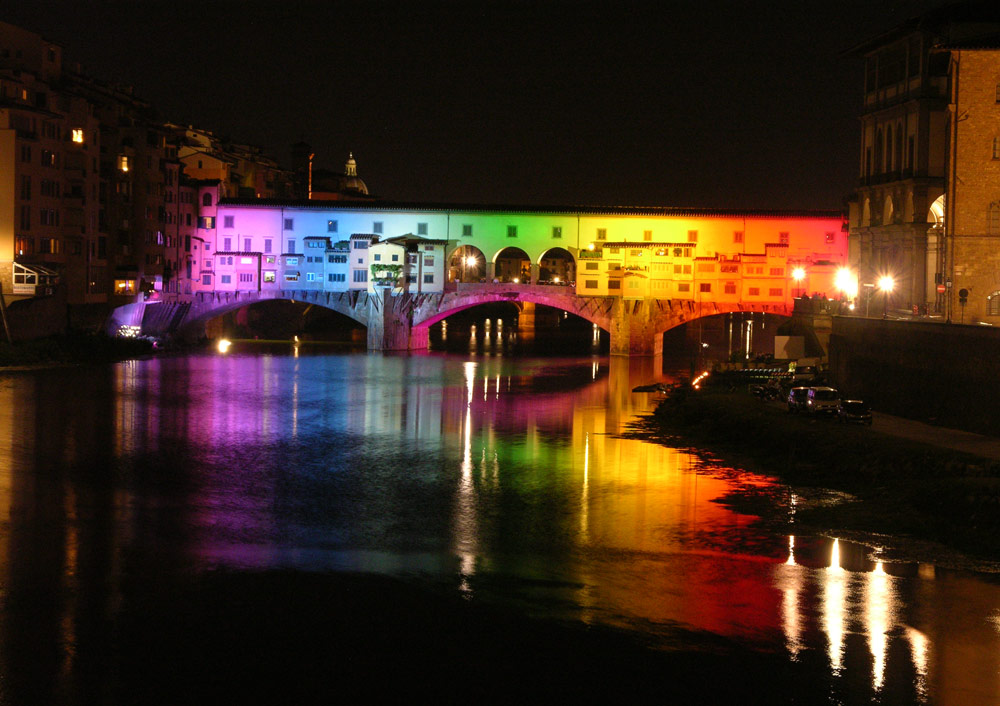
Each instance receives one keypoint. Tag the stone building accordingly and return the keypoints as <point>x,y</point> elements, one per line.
<point>929,127</point>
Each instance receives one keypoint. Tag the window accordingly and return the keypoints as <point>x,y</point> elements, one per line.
<point>993,304</point>
<point>291,244</point>
<point>684,287</point>
<point>395,258</point>
<point>25,153</point>
<point>729,267</point>
<point>776,292</point>
<point>26,187</point>
<point>998,93</point>
<point>777,271</point>
<point>614,284</point>
<point>421,229</point>
<point>291,276</point>
<point>331,226</point>
<point>78,135</point>
<point>730,288</point>
<point>315,244</point>
<point>336,258</point>
<point>228,221</point>
<point>996,148</point>
<point>993,219</point>
<point>376,228</point>
<point>466,229</point>
<point>246,276</point>
<point>737,236</point>
<point>754,291</point>
<point>377,257</point>
<point>227,244</point>
<point>206,222</point>
<point>692,236</point>
<point>289,224</point>
<point>206,279</point>
<point>269,275</point>
<point>225,279</point>
<point>267,245</point>
<point>206,199</point>
<point>360,275</point>
<point>359,244</point>
<point>429,279</point>
<point>511,231</point>
<point>830,237</point>
<point>336,277</point>
<point>25,217</point>
<point>123,163</point>
<point>310,276</point>
<point>556,231</point>
<point>602,233</point>
<point>783,238</point>
<point>635,253</point>
<point>705,287</point>
<point>590,284</point>
<point>246,245</point>
<point>706,267</point>
<point>291,260</point>
<point>647,235</point>
<point>591,266</point>
<point>428,261</point>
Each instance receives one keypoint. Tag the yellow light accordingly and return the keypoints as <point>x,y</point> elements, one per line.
<point>224,344</point>
<point>846,282</point>
<point>798,274</point>
<point>517,280</point>
<point>556,280</point>
<point>471,261</point>
<point>590,247</point>
<point>886,283</point>
<point>78,135</point>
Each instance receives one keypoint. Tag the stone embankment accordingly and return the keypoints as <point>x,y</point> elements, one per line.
<point>896,489</point>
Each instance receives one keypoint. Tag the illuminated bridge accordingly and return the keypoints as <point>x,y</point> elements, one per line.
<point>400,268</point>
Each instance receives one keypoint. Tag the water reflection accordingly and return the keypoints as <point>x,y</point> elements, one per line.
<point>507,476</point>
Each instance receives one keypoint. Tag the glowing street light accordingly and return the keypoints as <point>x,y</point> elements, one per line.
<point>846,282</point>
<point>798,275</point>
<point>886,284</point>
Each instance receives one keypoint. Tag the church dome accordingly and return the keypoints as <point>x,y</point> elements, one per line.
<point>351,181</point>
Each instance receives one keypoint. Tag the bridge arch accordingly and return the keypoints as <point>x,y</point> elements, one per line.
<point>467,263</point>
<point>512,264</point>
<point>557,265</point>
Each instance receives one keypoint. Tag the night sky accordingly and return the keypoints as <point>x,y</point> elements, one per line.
<point>713,104</point>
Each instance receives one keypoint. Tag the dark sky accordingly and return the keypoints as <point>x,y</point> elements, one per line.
<point>710,103</point>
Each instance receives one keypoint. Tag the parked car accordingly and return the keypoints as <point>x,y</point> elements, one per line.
<point>797,398</point>
<point>856,411</point>
<point>822,400</point>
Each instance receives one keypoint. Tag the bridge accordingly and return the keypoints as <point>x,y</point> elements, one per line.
<point>401,321</point>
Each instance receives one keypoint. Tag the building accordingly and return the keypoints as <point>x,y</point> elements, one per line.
<point>929,164</point>
<point>760,257</point>
<point>50,185</point>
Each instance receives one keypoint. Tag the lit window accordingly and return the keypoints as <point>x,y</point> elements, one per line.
<point>78,135</point>
<point>246,260</point>
<point>123,162</point>
<point>268,275</point>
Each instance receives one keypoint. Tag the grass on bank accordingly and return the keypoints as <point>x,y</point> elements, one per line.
<point>72,348</point>
<point>901,487</point>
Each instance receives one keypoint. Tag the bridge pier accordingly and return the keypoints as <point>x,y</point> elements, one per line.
<point>390,324</point>
<point>633,329</point>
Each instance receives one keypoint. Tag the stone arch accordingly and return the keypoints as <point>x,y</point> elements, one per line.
<point>899,147</point>
<point>908,208</point>
<point>935,214</point>
<point>557,265</point>
<point>888,210</point>
<point>512,264</point>
<point>442,306</point>
<point>467,263</point>
<point>879,149</point>
<point>888,148</point>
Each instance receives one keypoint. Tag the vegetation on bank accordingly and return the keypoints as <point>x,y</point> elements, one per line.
<point>72,348</point>
<point>897,487</point>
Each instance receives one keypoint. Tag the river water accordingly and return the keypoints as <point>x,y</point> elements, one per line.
<point>501,478</point>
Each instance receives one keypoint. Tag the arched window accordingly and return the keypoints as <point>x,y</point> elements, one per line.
<point>878,152</point>
<point>206,200</point>
<point>899,148</point>
<point>993,304</point>
<point>888,211</point>
<point>993,219</point>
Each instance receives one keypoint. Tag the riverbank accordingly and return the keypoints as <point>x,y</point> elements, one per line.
<point>72,348</point>
<point>915,500</point>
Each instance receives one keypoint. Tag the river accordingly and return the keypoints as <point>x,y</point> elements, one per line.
<point>503,479</point>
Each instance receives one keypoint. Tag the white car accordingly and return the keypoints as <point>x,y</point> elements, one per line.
<point>822,400</point>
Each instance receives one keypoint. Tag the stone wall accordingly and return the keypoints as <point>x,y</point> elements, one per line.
<point>945,373</point>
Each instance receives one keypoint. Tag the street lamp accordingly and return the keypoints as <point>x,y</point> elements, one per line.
<point>886,285</point>
<point>468,263</point>
<point>799,274</point>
